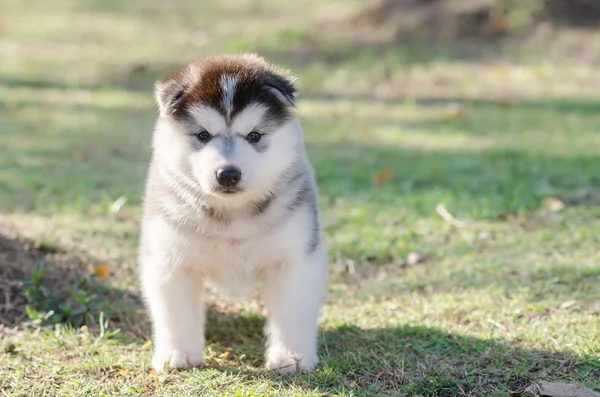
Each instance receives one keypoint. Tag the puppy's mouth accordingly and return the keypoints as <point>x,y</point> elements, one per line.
<point>228,190</point>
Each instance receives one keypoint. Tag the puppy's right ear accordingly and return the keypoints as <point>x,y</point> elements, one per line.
<point>170,93</point>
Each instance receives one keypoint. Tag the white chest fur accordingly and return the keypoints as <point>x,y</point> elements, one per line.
<point>228,263</point>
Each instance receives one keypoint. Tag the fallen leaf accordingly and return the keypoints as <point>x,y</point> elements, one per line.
<point>499,71</point>
<point>448,217</point>
<point>541,71</point>
<point>568,304</point>
<point>123,372</point>
<point>382,176</point>
<point>455,112</point>
<point>137,68</point>
<point>13,110</point>
<point>83,155</point>
<point>505,216</point>
<point>118,204</point>
<point>553,204</point>
<point>504,103</point>
<point>10,348</point>
<point>102,270</point>
<point>164,380</point>
<point>224,355</point>
<point>153,372</point>
<point>497,24</point>
<point>414,258</point>
<point>547,389</point>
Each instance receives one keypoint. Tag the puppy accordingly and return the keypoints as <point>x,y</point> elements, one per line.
<point>231,201</point>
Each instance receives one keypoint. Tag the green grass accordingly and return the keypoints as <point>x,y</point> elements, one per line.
<point>508,298</point>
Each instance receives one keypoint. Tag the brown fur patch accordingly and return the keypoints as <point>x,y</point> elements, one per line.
<point>200,84</point>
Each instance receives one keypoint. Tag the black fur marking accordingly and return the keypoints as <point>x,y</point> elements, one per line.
<point>176,100</point>
<point>171,93</point>
<point>256,82</point>
<point>291,175</point>
<point>307,196</point>
<point>214,214</point>
<point>316,235</point>
<point>260,207</point>
<point>283,86</point>
<point>251,91</point>
<point>303,195</point>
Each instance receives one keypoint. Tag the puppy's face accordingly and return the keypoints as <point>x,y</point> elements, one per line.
<point>227,126</point>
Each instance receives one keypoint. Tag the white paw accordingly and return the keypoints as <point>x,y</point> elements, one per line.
<point>171,359</point>
<point>286,363</point>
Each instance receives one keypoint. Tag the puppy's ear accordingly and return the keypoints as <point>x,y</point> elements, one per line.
<point>170,93</point>
<point>283,88</point>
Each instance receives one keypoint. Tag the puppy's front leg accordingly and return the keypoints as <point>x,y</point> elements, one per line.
<point>175,300</point>
<point>294,295</point>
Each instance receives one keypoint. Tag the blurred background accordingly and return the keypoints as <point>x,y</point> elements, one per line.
<point>455,144</point>
<point>77,77</point>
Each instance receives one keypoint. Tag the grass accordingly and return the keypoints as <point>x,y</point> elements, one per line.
<point>508,298</point>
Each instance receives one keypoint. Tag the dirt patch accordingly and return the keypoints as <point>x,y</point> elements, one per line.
<point>18,259</point>
<point>63,270</point>
<point>451,19</point>
<point>434,19</point>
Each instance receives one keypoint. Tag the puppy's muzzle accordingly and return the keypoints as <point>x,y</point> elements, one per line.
<point>229,176</point>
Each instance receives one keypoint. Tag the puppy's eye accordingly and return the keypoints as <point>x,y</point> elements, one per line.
<point>254,137</point>
<point>203,136</point>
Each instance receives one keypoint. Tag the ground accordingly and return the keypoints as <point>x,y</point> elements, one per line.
<point>460,198</point>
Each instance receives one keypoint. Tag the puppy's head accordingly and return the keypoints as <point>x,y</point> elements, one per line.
<point>227,124</point>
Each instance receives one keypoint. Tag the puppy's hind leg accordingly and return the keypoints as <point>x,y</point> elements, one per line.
<point>176,302</point>
<point>294,295</point>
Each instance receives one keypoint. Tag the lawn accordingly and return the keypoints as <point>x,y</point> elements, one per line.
<point>460,200</point>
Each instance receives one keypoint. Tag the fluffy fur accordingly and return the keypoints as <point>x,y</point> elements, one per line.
<point>197,233</point>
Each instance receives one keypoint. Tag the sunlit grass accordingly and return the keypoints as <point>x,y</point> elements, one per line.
<point>508,297</point>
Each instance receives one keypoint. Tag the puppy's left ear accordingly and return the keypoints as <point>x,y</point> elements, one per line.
<point>283,88</point>
<point>170,93</point>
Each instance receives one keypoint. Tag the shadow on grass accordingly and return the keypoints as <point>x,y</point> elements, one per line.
<point>85,166</point>
<point>18,260</point>
<point>504,189</point>
<point>313,50</point>
<point>480,184</point>
<point>97,163</point>
<point>101,161</point>
<point>132,76</point>
<point>360,361</point>
<point>65,276</point>
<point>507,106</point>
<point>406,359</point>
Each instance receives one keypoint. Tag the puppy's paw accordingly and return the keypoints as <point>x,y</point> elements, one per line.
<point>173,359</point>
<point>287,363</point>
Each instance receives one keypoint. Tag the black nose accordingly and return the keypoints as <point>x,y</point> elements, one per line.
<point>229,176</point>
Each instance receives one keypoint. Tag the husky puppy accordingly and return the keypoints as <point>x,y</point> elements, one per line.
<point>231,201</point>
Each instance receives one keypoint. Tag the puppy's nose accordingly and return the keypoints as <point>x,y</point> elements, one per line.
<point>229,176</point>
